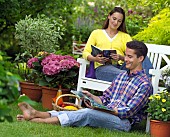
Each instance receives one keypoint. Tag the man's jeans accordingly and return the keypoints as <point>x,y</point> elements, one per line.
<point>110,72</point>
<point>92,118</point>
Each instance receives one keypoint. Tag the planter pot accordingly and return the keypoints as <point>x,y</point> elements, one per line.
<point>48,94</point>
<point>159,128</point>
<point>78,47</point>
<point>32,90</point>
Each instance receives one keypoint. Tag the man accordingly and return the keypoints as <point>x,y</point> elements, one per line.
<point>127,96</point>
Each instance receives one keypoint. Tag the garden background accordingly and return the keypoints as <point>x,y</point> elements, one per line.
<point>71,20</point>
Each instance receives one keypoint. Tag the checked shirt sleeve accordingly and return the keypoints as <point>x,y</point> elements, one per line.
<point>107,94</point>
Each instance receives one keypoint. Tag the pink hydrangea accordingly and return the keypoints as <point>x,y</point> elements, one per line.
<point>54,64</point>
<point>30,62</point>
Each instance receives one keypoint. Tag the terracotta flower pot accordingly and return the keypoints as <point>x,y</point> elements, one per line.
<point>48,94</point>
<point>32,90</point>
<point>159,128</point>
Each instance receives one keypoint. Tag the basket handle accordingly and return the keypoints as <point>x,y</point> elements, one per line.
<point>70,95</point>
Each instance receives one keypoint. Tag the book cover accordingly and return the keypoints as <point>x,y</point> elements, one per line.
<point>95,51</point>
<point>94,104</point>
<point>105,53</point>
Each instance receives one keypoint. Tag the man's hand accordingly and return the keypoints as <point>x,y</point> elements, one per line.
<point>87,103</point>
<point>87,93</point>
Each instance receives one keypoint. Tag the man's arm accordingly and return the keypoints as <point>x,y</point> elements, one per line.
<point>137,102</point>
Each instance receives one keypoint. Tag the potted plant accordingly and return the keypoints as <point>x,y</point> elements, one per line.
<point>81,32</point>
<point>54,70</point>
<point>35,35</point>
<point>159,113</point>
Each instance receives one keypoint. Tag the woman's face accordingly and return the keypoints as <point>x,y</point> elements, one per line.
<point>115,20</point>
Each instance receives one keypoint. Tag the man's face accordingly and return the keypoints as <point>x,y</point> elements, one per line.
<point>132,62</point>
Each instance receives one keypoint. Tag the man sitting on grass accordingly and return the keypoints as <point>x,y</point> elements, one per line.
<point>127,96</point>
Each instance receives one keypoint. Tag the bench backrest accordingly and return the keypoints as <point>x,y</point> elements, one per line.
<point>159,54</point>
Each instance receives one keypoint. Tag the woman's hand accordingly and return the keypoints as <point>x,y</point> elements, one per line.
<point>117,57</point>
<point>101,59</point>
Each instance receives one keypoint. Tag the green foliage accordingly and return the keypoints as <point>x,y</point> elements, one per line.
<point>39,34</point>
<point>158,29</point>
<point>159,106</point>
<point>157,6</point>
<point>36,35</point>
<point>135,23</point>
<point>64,9</point>
<point>82,29</point>
<point>24,98</point>
<point>8,88</point>
<point>11,12</point>
<point>21,66</point>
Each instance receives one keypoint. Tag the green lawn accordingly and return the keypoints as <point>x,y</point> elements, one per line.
<point>28,129</point>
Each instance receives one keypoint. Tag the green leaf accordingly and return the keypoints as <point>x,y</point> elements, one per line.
<point>26,99</point>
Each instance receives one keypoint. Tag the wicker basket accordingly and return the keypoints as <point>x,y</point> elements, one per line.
<point>58,108</point>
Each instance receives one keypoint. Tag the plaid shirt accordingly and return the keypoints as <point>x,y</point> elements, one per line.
<point>129,94</point>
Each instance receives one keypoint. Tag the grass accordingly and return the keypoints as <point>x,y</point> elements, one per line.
<point>28,129</point>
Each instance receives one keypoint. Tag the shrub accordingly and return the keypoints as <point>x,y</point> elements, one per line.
<point>158,29</point>
<point>39,34</point>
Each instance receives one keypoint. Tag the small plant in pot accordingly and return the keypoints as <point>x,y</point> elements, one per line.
<point>159,113</point>
<point>35,35</point>
<point>54,71</point>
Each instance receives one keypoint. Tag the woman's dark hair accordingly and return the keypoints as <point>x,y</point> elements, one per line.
<point>139,47</point>
<point>122,27</point>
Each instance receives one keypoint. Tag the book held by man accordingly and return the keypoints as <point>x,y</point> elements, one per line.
<point>105,53</point>
<point>94,104</point>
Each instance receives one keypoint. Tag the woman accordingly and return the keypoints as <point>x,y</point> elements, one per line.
<point>113,35</point>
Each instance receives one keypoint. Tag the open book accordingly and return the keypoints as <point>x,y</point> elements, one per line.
<point>94,104</point>
<point>105,53</point>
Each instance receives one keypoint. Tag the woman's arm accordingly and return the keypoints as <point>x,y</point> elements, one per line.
<point>98,58</point>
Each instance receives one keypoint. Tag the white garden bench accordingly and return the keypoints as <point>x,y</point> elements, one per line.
<point>156,53</point>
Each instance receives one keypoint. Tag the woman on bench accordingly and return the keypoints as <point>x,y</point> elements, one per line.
<point>113,35</point>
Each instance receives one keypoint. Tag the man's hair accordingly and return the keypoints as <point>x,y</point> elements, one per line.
<point>139,47</point>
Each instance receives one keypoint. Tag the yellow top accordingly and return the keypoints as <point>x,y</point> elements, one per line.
<point>100,39</point>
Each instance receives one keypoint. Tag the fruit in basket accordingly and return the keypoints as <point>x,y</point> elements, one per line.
<point>71,107</point>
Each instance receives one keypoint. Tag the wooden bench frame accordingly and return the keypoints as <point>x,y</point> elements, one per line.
<point>156,54</point>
